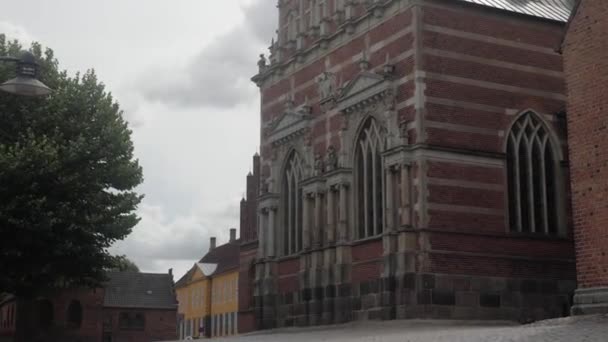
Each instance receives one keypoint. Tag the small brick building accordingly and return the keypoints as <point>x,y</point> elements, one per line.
<point>586,65</point>
<point>413,164</point>
<point>131,307</point>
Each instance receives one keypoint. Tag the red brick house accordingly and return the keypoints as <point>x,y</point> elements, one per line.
<point>139,307</point>
<point>413,164</point>
<point>132,307</point>
<point>585,51</point>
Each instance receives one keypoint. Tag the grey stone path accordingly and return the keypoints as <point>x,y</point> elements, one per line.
<point>587,329</point>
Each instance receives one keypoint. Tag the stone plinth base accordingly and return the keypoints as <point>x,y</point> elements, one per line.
<point>590,301</point>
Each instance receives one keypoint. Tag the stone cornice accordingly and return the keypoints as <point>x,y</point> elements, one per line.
<point>293,124</point>
<point>327,43</point>
<point>365,89</point>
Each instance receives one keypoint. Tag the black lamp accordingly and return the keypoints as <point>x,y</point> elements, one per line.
<point>26,83</point>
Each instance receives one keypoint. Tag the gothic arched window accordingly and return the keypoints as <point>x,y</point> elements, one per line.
<point>368,180</point>
<point>292,205</point>
<point>532,177</point>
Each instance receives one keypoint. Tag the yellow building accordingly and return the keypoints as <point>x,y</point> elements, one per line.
<point>208,293</point>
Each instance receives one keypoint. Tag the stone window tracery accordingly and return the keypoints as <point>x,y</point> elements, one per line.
<point>368,181</point>
<point>532,167</point>
<point>292,205</point>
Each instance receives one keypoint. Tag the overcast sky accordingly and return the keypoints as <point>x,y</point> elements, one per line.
<point>180,69</point>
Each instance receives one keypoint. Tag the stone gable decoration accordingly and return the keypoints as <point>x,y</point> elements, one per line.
<point>331,162</point>
<point>365,88</point>
<point>369,94</point>
<point>327,85</point>
<point>293,123</point>
<point>319,165</point>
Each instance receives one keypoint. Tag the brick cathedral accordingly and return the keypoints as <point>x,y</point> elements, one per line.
<point>413,164</point>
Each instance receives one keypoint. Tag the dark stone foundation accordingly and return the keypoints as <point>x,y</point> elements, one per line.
<point>421,296</point>
<point>590,301</point>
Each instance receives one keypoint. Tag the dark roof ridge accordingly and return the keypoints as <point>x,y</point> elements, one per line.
<point>226,257</point>
<point>555,10</point>
<point>139,290</point>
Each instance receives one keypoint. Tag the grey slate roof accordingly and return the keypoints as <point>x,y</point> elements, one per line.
<point>558,10</point>
<point>225,256</point>
<point>139,290</point>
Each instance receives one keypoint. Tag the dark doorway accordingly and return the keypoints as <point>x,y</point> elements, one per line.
<point>45,314</point>
<point>74,315</point>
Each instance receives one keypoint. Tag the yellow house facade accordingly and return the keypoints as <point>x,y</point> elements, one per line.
<point>224,303</point>
<point>208,293</point>
<point>193,297</point>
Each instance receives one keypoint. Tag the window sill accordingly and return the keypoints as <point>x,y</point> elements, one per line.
<point>288,257</point>
<point>367,240</point>
<point>505,235</point>
<point>538,236</point>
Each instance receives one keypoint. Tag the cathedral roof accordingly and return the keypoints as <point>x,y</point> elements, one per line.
<point>558,10</point>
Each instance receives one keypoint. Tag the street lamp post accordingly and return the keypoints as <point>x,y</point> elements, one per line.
<point>26,83</point>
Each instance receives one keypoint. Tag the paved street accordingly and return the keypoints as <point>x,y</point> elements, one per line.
<point>588,329</point>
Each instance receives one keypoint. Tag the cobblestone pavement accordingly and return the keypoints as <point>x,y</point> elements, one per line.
<point>587,329</point>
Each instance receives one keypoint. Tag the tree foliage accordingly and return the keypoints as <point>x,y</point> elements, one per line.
<point>124,264</point>
<point>68,180</point>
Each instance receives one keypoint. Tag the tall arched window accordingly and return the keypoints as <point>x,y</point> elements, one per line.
<point>533,177</point>
<point>292,205</point>
<point>75,314</point>
<point>368,180</point>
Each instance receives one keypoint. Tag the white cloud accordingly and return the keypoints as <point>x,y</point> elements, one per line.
<point>13,31</point>
<point>181,72</point>
<point>218,76</point>
<point>161,242</point>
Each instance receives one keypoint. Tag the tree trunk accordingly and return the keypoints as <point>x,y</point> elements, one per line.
<point>24,325</point>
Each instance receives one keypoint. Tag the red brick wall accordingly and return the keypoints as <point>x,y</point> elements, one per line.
<point>161,325</point>
<point>90,329</point>
<point>91,302</point>
<point>476,70</point>
<point>367,261</point>
<point>288,275</point>
<point>474,265</point>
<point>586,66</point>
<point>480,71</point>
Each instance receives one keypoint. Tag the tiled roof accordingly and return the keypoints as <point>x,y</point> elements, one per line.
<point>139,290</point>
<point>225,256</point>
<point>558,10</point>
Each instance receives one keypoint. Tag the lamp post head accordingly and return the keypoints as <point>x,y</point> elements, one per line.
<point>26,83</point>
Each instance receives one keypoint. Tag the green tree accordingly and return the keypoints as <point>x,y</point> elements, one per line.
<point>124,264</point>
<point>68,180</point>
